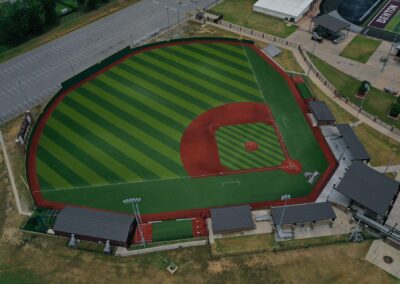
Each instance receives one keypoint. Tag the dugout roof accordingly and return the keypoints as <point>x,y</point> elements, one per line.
<point>331,23</point>
<point>353,143</point>
<point>303,213</point>
<point>369,188</point>
<point>321,111</point>
<point>232,219</point>
<point>96,225</point>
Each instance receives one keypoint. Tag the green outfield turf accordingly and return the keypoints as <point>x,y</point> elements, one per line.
<point>304,91</point>
<point>172,230</point>
<point>232,151</point>
<point>118,135</point>
<point>394,24</point>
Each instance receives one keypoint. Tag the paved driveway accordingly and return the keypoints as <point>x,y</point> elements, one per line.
<point>36,75</point>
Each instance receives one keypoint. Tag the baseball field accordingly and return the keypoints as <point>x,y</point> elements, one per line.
<point>184,125</point>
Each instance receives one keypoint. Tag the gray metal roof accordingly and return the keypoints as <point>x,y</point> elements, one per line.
<point>272,50</point>
<point>331,23</point>
<point>368,187</point>
<point>303,213</point>
<point>231,219</point>
<point>94,224</point>
<point>321,111</point>
<point>353,143</point>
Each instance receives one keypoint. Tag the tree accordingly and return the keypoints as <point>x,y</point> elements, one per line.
<point>49,8</point>
<point>20,19</point>
<point>91,4</point>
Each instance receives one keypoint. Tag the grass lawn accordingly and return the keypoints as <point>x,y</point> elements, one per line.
<point>377,102</point>
<point>378,145</point>
<point>172,230</point>
<point>67,24</point>
<point>240,12</point>
<point>360,48</point>
<point>242,245</point>
<point>287,60</point>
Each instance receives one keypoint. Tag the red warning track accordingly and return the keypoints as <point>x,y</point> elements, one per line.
<point>199,149</point>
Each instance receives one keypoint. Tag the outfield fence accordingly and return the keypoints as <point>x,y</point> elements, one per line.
<point>253,33</point>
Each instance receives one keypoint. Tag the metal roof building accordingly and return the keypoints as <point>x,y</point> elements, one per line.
<point>232,219</point>
<point>321,112</point>
<point>353,143</point>
<point>290,10</point>
<point>369,188</point>
<point>331,23</point>
<point>302,213</point>
<point>95,225</point>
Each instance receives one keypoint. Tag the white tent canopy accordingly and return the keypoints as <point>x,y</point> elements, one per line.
<point>292,10</point>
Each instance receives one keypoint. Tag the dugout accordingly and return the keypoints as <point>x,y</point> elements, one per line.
<point>370,192</point>
<point>311,214</point>
<point>94,225</point>
<point>354,144</point>
<point>321,113</point>
<point>232,219</point>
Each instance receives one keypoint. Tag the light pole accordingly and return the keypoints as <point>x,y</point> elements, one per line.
<point>134,201</point>
<point>390,50</point>
<point>285,198</point>
<point>167,8</point>
<point>362,103</point>
<point>391,159</point>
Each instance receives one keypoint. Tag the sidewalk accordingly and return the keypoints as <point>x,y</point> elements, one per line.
<point>371,71</point>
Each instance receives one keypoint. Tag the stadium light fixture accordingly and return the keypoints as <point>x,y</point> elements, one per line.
<point>134,201</point>
<point>285,198</point>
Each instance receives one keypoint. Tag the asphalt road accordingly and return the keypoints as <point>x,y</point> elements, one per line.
<point>36,75</point>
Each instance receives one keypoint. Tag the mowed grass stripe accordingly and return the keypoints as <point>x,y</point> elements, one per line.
<point>213,56</point>
<point>255,134</point>
<point>133,98</point>
<point>269,142</point>
<point>208,89</point>
<point>137,124</point>
<point>71,175</point>
<point>168,82</point>
<point>156,122</point>
<point>94,147</point>
<point>233,151</point>
<point>239,141</point>
<point>52,177</point>
<point>226,49</point>
<point>259,131</point>
<point>228,161</point>
<point>163,93</point>
<point>92,157</point>
<point>207,48</point>
<point>235,48</point>
<point>125,130</point>
<point>180,83</point>
<point>101,138</point>
<point>206,75</point>
<point>43,183</point>
<point>188,56</point>
<point>143,95</point>
<point>203,59</point>
<point>106,125</point>
<point>80,168</point>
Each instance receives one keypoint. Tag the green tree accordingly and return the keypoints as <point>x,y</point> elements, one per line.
<point>91,4</point>
<point>49,8</point>
<point>20,19</point>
